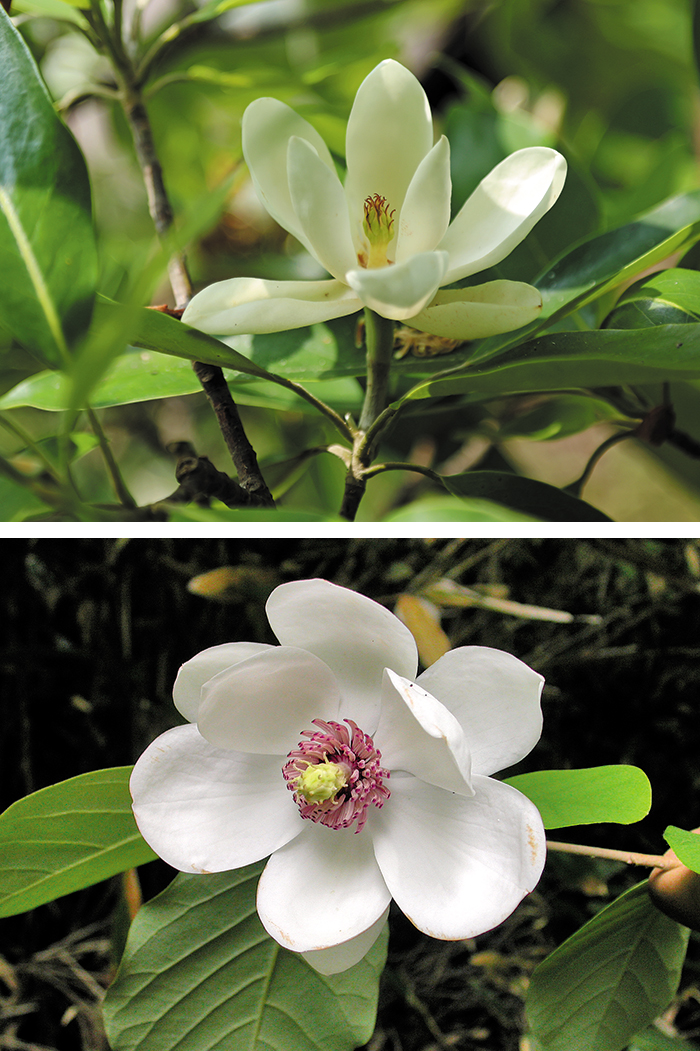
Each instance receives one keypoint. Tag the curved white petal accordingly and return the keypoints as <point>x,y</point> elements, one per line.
<point>479,311</point>
<point>262,704</point>
<point>389,132</point>
<point>187,691</point>
<point>458,866</point>
<point>205,810</point>
<point>503,209</point>
<point>253,305</point>
<point>341,957</point>
<point>402,290</point>
<point>268,125</point>
<point>425,213</point>
<point>321,889</point>
<point>496,699</point>
<point>319,203</point>
<point>356,637</point>
<point>418,734</point>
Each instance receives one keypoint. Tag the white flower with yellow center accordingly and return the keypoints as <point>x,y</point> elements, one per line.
<point>360,784</point>
<point>385,235</point>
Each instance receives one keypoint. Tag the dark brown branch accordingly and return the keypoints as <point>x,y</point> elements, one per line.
<point>200,481</point>
<point>242,452</point>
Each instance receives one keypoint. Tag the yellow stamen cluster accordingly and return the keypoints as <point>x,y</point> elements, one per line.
<point>378,225</point>
<point>321,781</point>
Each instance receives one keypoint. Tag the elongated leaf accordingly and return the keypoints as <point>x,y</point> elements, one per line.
<point>586,797</point>
<point>669,297</point>
<point>452,509</point>
<point>48,262</point>
<point>609,980</point>
<point>562,360</point>
<point>686,845</point>
<point>525,495</point>
<point>605,262</point>
<point>141,375</point>
<point>66,837</point>
<point>200,972</point>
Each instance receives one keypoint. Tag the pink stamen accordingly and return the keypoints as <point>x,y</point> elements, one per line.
<point>354,752</point>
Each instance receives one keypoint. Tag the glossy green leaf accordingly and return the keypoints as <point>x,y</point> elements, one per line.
<point>66,837</point>
<point>609,980</point>
<point>667,298</point>
<point>142,375</point>
<point>48,262</point>
<point>524,495</point>
<point>452,509</point>
<point>605,262</point>
<point>557,417</point>
<point>685,844</point>
<point>199,972</point>
<point>562,360</point>
<point>587,797</point>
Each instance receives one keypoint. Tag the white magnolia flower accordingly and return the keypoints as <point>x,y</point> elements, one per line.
<point>361,784</point>
<point>385,236</point>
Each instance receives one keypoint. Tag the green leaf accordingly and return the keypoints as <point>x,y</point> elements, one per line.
<point>199,972</point>
<point>653,1039</point>
<point>142,375</point>
<point>610,979</point>
<point>66,837</point>
<point>220,513</point>
<point>586,797</point>
<point>605,262</point>
<point>669,297</point>
<point>451,509</point>
<point>686,845</point>
<point>557,417</point>
<point>48,262</point>
<point>524,495</point>
<point>562,360</point>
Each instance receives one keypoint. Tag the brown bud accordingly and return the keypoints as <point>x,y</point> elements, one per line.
<point>676,891</point>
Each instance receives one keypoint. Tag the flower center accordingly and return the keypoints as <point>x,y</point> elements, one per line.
<point>378,225</point>
<point>335,775</point>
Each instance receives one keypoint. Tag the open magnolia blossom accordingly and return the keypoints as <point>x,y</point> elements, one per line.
<point>362,784</point>
<point>385,235</point>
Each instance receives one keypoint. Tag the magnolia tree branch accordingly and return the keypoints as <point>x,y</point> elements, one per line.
<point>210,376</point>
<point>651,861</point>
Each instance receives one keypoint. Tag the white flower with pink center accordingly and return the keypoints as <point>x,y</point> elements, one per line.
<point>360,782</point>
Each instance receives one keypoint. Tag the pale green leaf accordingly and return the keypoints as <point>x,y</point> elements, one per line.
<point>686,845</point>
<point>586,797</point>
<point>68,836</point>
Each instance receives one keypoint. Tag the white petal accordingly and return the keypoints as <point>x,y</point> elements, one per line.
<point>458,866</point>
<point>356,637</point>
<point>425,214</point>
<point>205,810</point>
<point>402,290</point>
<point>496,699</point>
<point>262,704</point>
<point>253,305</point>
<point>479,311</point>
<point>187,691</point>
<point>418,734</point>
<point>390,130</point>
<point>321,889</point>
<point>320,206</point>
<point>341,957</point>
<point>268,125</point>
<point>503,209</point>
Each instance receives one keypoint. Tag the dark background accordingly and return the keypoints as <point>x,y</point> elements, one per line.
<point>95,630</point>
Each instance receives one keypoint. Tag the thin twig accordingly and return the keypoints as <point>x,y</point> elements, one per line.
<point>120,488</point>
<point>650,861</point>
<point>576,487</point>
